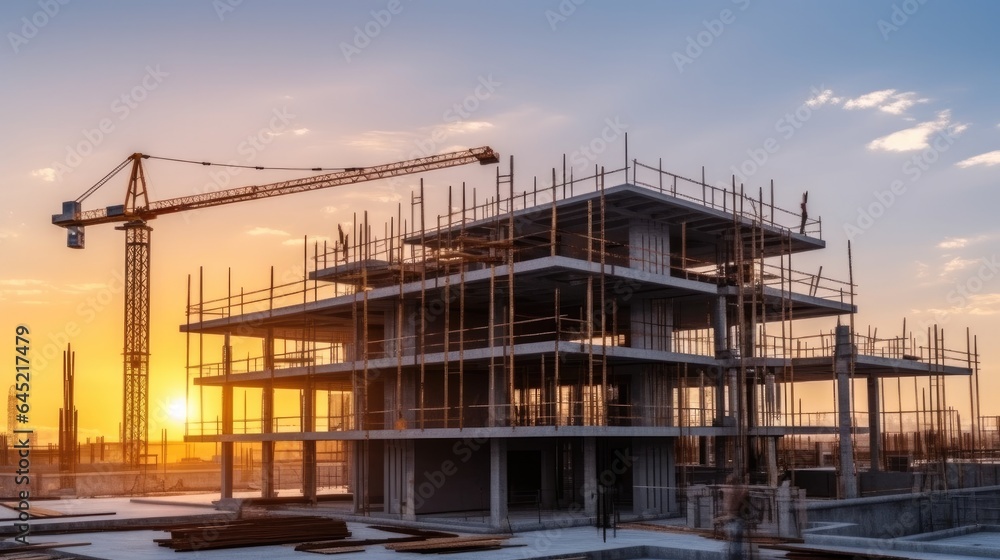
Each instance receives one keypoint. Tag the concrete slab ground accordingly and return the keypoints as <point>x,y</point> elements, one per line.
<point>557,542</point>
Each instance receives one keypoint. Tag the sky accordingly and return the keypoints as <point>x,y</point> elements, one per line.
<point>885,112</point>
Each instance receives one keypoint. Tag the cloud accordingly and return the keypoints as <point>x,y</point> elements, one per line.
<point>984,304</point>
<point>869,100</point>
<point>899,103</point>
<point>975,304</point>
<point>267,231</point>
<point>463,127</point>
<point>955,264</point>
<point>300,131</point>
<point>917,137</point>
<point>885,100</point>
<point>46,174</point>
<point>425,140</point>
<point>824,97</point>
<point>953,243</point>
<point>989,159</point>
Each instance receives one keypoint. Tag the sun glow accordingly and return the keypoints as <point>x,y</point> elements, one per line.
<point>177,410</point>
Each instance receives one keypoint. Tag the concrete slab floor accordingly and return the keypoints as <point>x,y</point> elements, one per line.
<point>139,545</point>
<point>567,541</point>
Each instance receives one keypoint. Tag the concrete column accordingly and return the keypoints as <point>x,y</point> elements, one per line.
<point>309,446</point>
<point>390,339</point>
<point>668,385</point>
<point>399,478</point>
<point>651,323</point>
<point>357,476</point>
<point>267,489</point>
<point>589,477</point>
<point>498,483</point>
<point>498,397</point>
<point>848,478</point>
<point>227,423</point>
<point>227,446</point>
<point>720,328</point>
<point>772,461</point>
<point>649,246</point>
<point>874,423</point>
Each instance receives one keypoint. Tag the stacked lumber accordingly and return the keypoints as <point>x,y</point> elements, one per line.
<point>450,545</point>
<point>350,545</point>
<point>259,531</point>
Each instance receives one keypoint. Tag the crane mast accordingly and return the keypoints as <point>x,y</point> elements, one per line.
<point>133,217</point>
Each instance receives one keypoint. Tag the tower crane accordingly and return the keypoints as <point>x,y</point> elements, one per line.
<point>137,210</point>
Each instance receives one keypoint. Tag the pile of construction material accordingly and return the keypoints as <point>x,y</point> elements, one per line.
<point>416,540</point>
<point>259,531</point>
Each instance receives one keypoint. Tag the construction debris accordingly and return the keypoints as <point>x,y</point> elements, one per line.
<point>254,532</point>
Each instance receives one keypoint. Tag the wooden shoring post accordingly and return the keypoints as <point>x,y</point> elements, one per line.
<point>975,374</point>
<point>447,309</point>
<point>704,199</point>
<point>358,387</point>
<point>315,266</point>
<point>590,229</point>
<point>305,271</point>
<point>740,406</point>
<point>972,401</point>
<point>916,413</point>
<point>187,358</point>
<point>604,330</point>
<point>555,366</point>
<point>899,403</point>
<point>512,418</point>
<point>201,347</point>
<point>760,277</point>
<point>564,176</point>
<point>400,311</point>
<point>423,303</point>
<point>590,344</point>
<point>461,324</point>
<point>684,249</point>
<point>772,202</point>
<point>552,228</point>
<point>490,335</point>
<point>364,313</point>
<point>851,362</point>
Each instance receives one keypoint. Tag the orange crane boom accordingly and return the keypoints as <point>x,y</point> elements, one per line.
<point>73,217</point>
<point>133,216</point>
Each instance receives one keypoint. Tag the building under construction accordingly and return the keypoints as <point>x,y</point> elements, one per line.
<point>593,347</point>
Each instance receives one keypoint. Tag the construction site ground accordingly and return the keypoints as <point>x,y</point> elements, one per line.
<point>102,523</point>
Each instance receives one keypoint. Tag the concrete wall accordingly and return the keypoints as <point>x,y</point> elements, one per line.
<point>897,516</point>
<point>653,472</point>
<point>451,475</point>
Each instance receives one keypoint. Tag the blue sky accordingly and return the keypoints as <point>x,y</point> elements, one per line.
<point>847,100</point>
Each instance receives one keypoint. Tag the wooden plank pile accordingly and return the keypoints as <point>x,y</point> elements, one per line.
<point>450,545</point>
<point>352,545</point>
<point>259,531</point>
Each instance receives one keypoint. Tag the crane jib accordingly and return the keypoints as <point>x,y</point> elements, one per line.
<point>74,219</point>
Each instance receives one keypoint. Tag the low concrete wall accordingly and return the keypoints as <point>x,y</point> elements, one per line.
<point>885,517</point>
